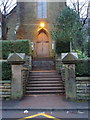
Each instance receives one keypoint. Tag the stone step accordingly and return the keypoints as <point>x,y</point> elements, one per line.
<point>43,85</point>
<point>38,73</point>
<point>45,92</point>
<point>39,68</point>
<point>44,88</point>
<point>44,76</point>
<point>44,82</point>
<point>44,79</point>
<point>43,63</point>
<point>43,59</point>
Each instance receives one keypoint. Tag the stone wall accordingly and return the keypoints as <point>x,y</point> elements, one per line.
<point>6,85</point>
<point>24,78</point>
<point>89,19</point>
<point>83,88</point>
<point>5,89</point>
<point>29,22</point>
<point>0,26</point>
<point>12,23</point>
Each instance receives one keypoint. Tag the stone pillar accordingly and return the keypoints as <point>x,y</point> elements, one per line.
<point>70,80</point>
<point>16,60</point>
<point>17,83</point>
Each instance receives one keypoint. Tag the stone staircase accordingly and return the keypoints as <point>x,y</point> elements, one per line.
<point>44,79</point>
<point>43,64</point>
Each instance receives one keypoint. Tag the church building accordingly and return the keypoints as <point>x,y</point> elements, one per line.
<point>35,21</point>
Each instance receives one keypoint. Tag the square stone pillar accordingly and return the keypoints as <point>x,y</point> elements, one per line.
<point>70,78</point>
<point>16,60</point>
<point>17,83</point>
<point>70,81</point>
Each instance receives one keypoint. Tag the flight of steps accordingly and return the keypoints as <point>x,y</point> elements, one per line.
<point>44,82</point>
<point>44,79</point>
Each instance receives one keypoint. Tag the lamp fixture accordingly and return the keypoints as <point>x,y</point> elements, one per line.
<point>42,24</point>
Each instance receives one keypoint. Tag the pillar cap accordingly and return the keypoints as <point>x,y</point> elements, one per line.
<point>69,59</point>
<point>16,58</point>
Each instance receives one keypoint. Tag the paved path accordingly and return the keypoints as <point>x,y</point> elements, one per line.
<point>46,102</point>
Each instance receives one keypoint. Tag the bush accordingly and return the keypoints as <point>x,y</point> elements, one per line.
<point>62,47</point>
<point>18,46</point>
<point>83,68</point>
<point>6,70</point>
<point>80,54</point>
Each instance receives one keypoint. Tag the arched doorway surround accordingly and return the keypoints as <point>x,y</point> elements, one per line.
<point>42,43</point>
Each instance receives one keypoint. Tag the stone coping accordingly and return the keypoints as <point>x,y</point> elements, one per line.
<point>82,78</point>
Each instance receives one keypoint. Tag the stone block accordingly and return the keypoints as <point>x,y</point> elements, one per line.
<point>70,81</point>
<point>16,58</point>
<point>69,59</point>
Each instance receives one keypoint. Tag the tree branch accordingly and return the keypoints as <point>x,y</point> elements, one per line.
<point>10,7</point>
<point>73,5</point>
<point>83,5</point>
<point>9,4</point>
<point>6,2</point>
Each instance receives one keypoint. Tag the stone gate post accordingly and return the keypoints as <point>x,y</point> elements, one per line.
<point>70,80</point>
<point>16,60</point>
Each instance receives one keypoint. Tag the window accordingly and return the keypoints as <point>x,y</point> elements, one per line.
<point>42,9</point>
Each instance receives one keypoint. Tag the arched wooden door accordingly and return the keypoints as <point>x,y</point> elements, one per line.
<point>42,45</point>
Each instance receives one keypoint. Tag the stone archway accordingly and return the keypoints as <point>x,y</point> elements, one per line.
<point>42,44</point>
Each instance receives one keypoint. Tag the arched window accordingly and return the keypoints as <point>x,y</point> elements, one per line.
<point>42,9</point>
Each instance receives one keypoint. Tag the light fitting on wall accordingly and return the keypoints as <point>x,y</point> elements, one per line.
<point>42,24</point>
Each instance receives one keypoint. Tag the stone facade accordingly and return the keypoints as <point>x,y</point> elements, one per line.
<point>89,19</point>
<point>23,21</point>
<point>12,23</point>
<point>0,26</point>
<point>29,22</point>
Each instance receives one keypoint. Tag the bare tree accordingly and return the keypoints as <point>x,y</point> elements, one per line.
<point>5,7</point>
<point>82,8</point>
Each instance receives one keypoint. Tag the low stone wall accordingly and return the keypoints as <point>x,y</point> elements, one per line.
<point>6,85</point>
<point>24,73</point>
<point>5,89</point>
<point>63,73</point>
<point>58,64</point>
<point>83,88</point>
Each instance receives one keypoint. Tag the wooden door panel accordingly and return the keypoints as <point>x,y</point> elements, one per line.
<point>42,45</point>
<point>46,49</point>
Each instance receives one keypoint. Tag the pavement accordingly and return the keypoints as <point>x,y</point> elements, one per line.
<point>45,102</point>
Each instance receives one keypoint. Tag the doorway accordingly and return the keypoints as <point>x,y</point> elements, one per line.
<point>42,44</point>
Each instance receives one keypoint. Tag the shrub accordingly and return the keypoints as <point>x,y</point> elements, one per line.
<point>83,68</point>
<point>62,47</point>
<point>80,54</point>
<point>18,46</point>
<point>6,70</point>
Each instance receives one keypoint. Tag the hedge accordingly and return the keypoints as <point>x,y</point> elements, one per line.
<point>18,46</point>
<point>62,47</point>
<point>83,68</point>
<point>6,70</point>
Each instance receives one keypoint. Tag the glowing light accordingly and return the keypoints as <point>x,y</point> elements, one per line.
<point>42,24</point>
